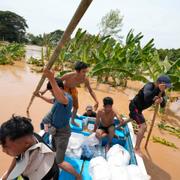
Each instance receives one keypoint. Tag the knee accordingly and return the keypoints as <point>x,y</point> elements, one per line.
<point>111,130</point>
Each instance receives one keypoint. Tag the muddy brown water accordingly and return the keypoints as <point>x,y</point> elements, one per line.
<point>17,83</point>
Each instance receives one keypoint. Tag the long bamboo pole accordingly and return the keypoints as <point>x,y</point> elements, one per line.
<point>153,121</point>
<point>83,6</point>
<point>152,125</point>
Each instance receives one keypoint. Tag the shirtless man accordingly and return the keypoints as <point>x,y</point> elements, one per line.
<point>72,80</point>
<point>105,121</point>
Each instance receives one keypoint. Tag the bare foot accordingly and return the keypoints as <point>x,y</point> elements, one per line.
<point>74,123</point>
<point>138,151</point>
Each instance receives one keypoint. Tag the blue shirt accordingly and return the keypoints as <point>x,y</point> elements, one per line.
<point>61,113</point>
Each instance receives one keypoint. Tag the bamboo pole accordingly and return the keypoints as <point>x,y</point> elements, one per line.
<point>83,6</point>
<point>153,121</point>
<point>152,125</point>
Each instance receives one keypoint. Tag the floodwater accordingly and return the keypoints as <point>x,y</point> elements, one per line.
<point>17,84</point>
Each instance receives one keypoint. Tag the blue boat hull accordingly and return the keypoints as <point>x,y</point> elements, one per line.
<point>122,137</point>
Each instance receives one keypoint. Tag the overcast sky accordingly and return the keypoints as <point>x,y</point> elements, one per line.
<point>158,19</point>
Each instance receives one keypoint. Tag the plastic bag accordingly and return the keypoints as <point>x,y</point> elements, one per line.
<point>74,148</point>
<point>88,151</point>
<point>88,146</point>
<point>99,169</point>
<point>76,140</point>
<point>118,156</point>
<point>136,174</point>
<point>92,140</point>
<point>119,173</point>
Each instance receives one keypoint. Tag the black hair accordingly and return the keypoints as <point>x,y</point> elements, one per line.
<point>79,65</point>
<point>107,101</point>
<point>15,128</point>
<point>59,83</point>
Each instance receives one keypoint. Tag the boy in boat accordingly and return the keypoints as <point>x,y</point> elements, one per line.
<point>72,80</point>
<point>32,158</point>
<point>151,93</point>
<point>89,112</point>
<point>59,120</point>
<point>105,125</point>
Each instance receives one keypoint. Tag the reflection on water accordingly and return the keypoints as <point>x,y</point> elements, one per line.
<point>17,85</point>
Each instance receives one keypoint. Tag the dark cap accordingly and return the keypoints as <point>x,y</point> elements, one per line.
<point>89,108</point>
<point>164,79</point>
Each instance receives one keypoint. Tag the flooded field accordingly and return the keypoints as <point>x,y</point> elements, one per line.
<point>18,82</point>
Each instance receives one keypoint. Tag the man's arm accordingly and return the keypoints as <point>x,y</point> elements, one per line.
<point>49,100</point>
<point>121,120</point>
<point>97,123</point>
<point>58,92</point>
<point>6,174</point>
<point>87,84</point>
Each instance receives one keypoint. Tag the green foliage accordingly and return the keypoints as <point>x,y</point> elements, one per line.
<point>34,61</point>
<point>172,130</point>
<point>55,36</point>
<point>50,39</point>
<point>111,24</point>
<point>35,40</point>
<point>11,52</point>
<point>171,54</point>
<point>114,63</point>
<point>164,142</point>
<point>12,27</point>
<point>61,73</point>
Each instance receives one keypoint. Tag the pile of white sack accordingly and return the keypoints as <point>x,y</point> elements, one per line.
<point>76,141</point>
<point>74,146</point>
<point>116,167</point>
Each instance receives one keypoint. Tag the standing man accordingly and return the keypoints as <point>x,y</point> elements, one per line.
<point>58,119</point>
<point>151,93</point>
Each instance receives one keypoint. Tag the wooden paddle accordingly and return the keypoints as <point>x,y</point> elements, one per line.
<point>83,6</point>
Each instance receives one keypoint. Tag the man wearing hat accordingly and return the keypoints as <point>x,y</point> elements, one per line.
<point>151,93</point>
<point>89,112</point>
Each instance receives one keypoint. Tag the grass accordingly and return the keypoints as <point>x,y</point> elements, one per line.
<point>172,130</point>
<point>164,142</point>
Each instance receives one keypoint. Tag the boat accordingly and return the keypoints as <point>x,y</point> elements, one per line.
<point>125,137</point>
